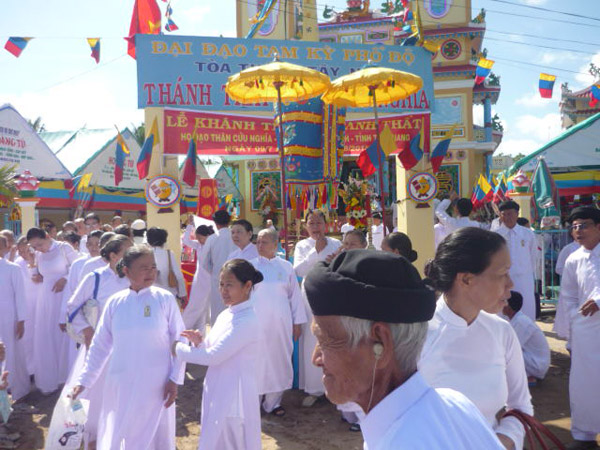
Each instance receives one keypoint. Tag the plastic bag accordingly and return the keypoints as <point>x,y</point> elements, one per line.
<point>67,425</point>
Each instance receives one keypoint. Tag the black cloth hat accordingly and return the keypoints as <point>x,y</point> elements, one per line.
<point>509,204</point>
<point>584,213</point>
<point>515,301</point>
<point>370,285</point>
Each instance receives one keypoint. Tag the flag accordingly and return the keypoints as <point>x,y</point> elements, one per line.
<point>484,66</point>
<point>121,142</point>
<point>546,85</point>
<point>143,162</point>
<point>84,182</point>
<point>440,150</point>
<point>189,167</point>
<point>145,19</point>
<point>411,155</point>
<point>16,45</point>
<point>367,159</point>
<point>207,198</point>
<point>119,163</point>
<point>71,185</point>
<point>408,15</point>
<point>94,44</point>
<point>595,95</point>
<point>545,196</point>
<point>388,143</point>
<point>480,192</point>
<point>171,26</point>
<point>500,190</point>
<point>489,196</point>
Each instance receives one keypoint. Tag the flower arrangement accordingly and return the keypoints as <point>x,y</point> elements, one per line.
<point>354,193</point>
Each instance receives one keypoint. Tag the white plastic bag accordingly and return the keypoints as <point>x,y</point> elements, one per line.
<point>67,425</point>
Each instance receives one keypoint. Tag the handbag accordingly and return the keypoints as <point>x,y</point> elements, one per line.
<point>535,431</point>
<point>172,280</point>
<point>89,309</point>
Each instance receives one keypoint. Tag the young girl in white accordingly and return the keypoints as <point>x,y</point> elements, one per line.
<point>230,406</point>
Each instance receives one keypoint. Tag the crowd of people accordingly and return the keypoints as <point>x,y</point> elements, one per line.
<point>102,311</point>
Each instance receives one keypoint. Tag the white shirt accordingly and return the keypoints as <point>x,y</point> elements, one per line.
<point>483,361</point>
<point>162,257</point>
<point>94,263</point>
<point>523,249</point>
<point>278,304</point>
<point>230,352</point>
<point>563,255</point>
<point>415,416</point>
<point>536,351</point>
<point>439,233</point>
<point>495,224</point>
<point>216,251</point>
<point>306,255</point>
<point>12,301</point>
<point>451,224</point>
<point>377,235</point>
<point>581,282</point>
<point>248,253</point>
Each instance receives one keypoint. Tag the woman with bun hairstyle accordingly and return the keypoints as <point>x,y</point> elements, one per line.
<point>132,345</point>
<point>230,405</point>
<point>469,348</point>
<point>399,244</point>
<point>108,283</point>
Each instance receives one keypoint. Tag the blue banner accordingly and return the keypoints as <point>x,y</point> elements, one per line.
<point>190,72</point>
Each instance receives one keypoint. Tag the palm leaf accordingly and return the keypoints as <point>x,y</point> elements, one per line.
<point>8,189</point>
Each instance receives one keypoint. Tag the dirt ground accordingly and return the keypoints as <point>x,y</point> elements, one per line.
<point>313,428</point>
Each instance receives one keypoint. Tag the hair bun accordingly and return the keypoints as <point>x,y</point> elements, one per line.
<point>412,256</point>
<point>119,268</point>
<point>258,277</point>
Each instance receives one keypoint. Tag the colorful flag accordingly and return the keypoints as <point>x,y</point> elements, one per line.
<point>121,142</point>
<point>16,45</point>
<point>84,182</point>
<point>367,159</point>
<point>484,67</point>
<point>500,190</point>
<point>411,155</point>
<point>71,185</point>
<point>144,20</point>
<point>440,150</point>
<point>545,196</point>
<point>119,162</point>
<point>94,44</point>
<point>207,198</point>
<point>481,191</point>
<point>408,15</point>
<point>189,167</point>
<point>595,95</point>
<point>143,162</point>
<point>170,25</point>
<point>546,85</point>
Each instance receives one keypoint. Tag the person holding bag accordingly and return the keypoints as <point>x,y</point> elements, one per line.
<point>169,275</point>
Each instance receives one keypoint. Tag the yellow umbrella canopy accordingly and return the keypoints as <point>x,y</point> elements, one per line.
<point>356,89</point>
<point>259,84</point>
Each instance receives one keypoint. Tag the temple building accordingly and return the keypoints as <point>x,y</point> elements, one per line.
<point>575,106</point>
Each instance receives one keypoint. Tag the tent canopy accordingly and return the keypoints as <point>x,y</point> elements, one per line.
<point>577,149</point>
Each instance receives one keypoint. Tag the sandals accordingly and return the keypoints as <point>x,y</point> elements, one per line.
<point>279,411</point>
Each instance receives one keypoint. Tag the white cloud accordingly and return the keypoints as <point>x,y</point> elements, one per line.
<point>535,100</point>
<point>478,115</point>
<point>539,128</point>
<point>535,2</point>
<point>513,147</point>
<point>551,57</point>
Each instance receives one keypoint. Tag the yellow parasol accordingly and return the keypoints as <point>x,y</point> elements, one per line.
<point>373,86</point>
<point>279,82</point>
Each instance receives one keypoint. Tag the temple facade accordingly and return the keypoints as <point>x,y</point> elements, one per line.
<point>575,106</point>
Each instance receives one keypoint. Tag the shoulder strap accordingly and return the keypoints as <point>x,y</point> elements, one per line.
<point>96,285</point>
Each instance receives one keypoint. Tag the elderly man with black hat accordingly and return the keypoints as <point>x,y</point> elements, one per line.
<point>371,311</point>
<point>523,249</point>
<point>580,290</point>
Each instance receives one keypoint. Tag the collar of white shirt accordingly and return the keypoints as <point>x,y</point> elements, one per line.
<point>381,418</point>
<point>595,252</point>
<point>241,306</point>
<point>450,316</point>
<point>262,259</point>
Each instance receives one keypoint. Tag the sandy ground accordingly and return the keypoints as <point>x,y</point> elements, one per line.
<point>313,428</point>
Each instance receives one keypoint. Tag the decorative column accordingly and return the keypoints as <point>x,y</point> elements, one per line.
<point>27,186</point>
<point>487,119</point>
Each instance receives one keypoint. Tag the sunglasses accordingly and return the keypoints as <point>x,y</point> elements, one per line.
<point>580,226</point>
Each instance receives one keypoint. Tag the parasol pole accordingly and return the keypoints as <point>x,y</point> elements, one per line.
<point>278,85</point>
<point>373,89</point>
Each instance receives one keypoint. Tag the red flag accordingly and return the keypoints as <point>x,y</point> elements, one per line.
<point>207,198</point>
<point>144,20</point>
<point>189,167</point>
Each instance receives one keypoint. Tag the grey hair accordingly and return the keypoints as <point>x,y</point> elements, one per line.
<point>272,234</point>
<point>409,339</point>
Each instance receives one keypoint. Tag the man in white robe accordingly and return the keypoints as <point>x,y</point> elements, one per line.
<point>580,289</point>
<point>536,351</point>
<point>371,311</point>
<point>377,231</point>
<point>562,325</point>
<point>13,317</point>
<point>317,247</point>
<point>280,310</point>
<point>523,249</point>
<point>215,253</point>
<point>462,208</point>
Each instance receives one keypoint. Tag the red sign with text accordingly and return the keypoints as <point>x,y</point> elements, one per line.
<point>230,134</point>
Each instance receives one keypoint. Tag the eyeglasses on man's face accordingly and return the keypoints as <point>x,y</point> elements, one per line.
<point>581,226</point>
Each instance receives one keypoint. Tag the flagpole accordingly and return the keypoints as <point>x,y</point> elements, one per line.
<point>278,85</point>
<point>373,89</point>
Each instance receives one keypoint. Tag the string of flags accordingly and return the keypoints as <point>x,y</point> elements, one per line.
<point>94,44</point>
<point>170,25</point>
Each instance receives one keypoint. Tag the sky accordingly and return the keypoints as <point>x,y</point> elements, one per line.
<point>56,79</point>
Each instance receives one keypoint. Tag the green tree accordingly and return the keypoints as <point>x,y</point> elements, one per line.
<point>8,189</point>
<point>139,133</point>
<point>37,125</point>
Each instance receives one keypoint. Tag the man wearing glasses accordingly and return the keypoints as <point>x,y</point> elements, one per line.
<point>580,290</point>
<point>91,222</point>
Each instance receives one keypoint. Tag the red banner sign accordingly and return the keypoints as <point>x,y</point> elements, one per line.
<point>219,134</point>
<point>208,199</point>
<point>361,133</point>
<point>229,134</point>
